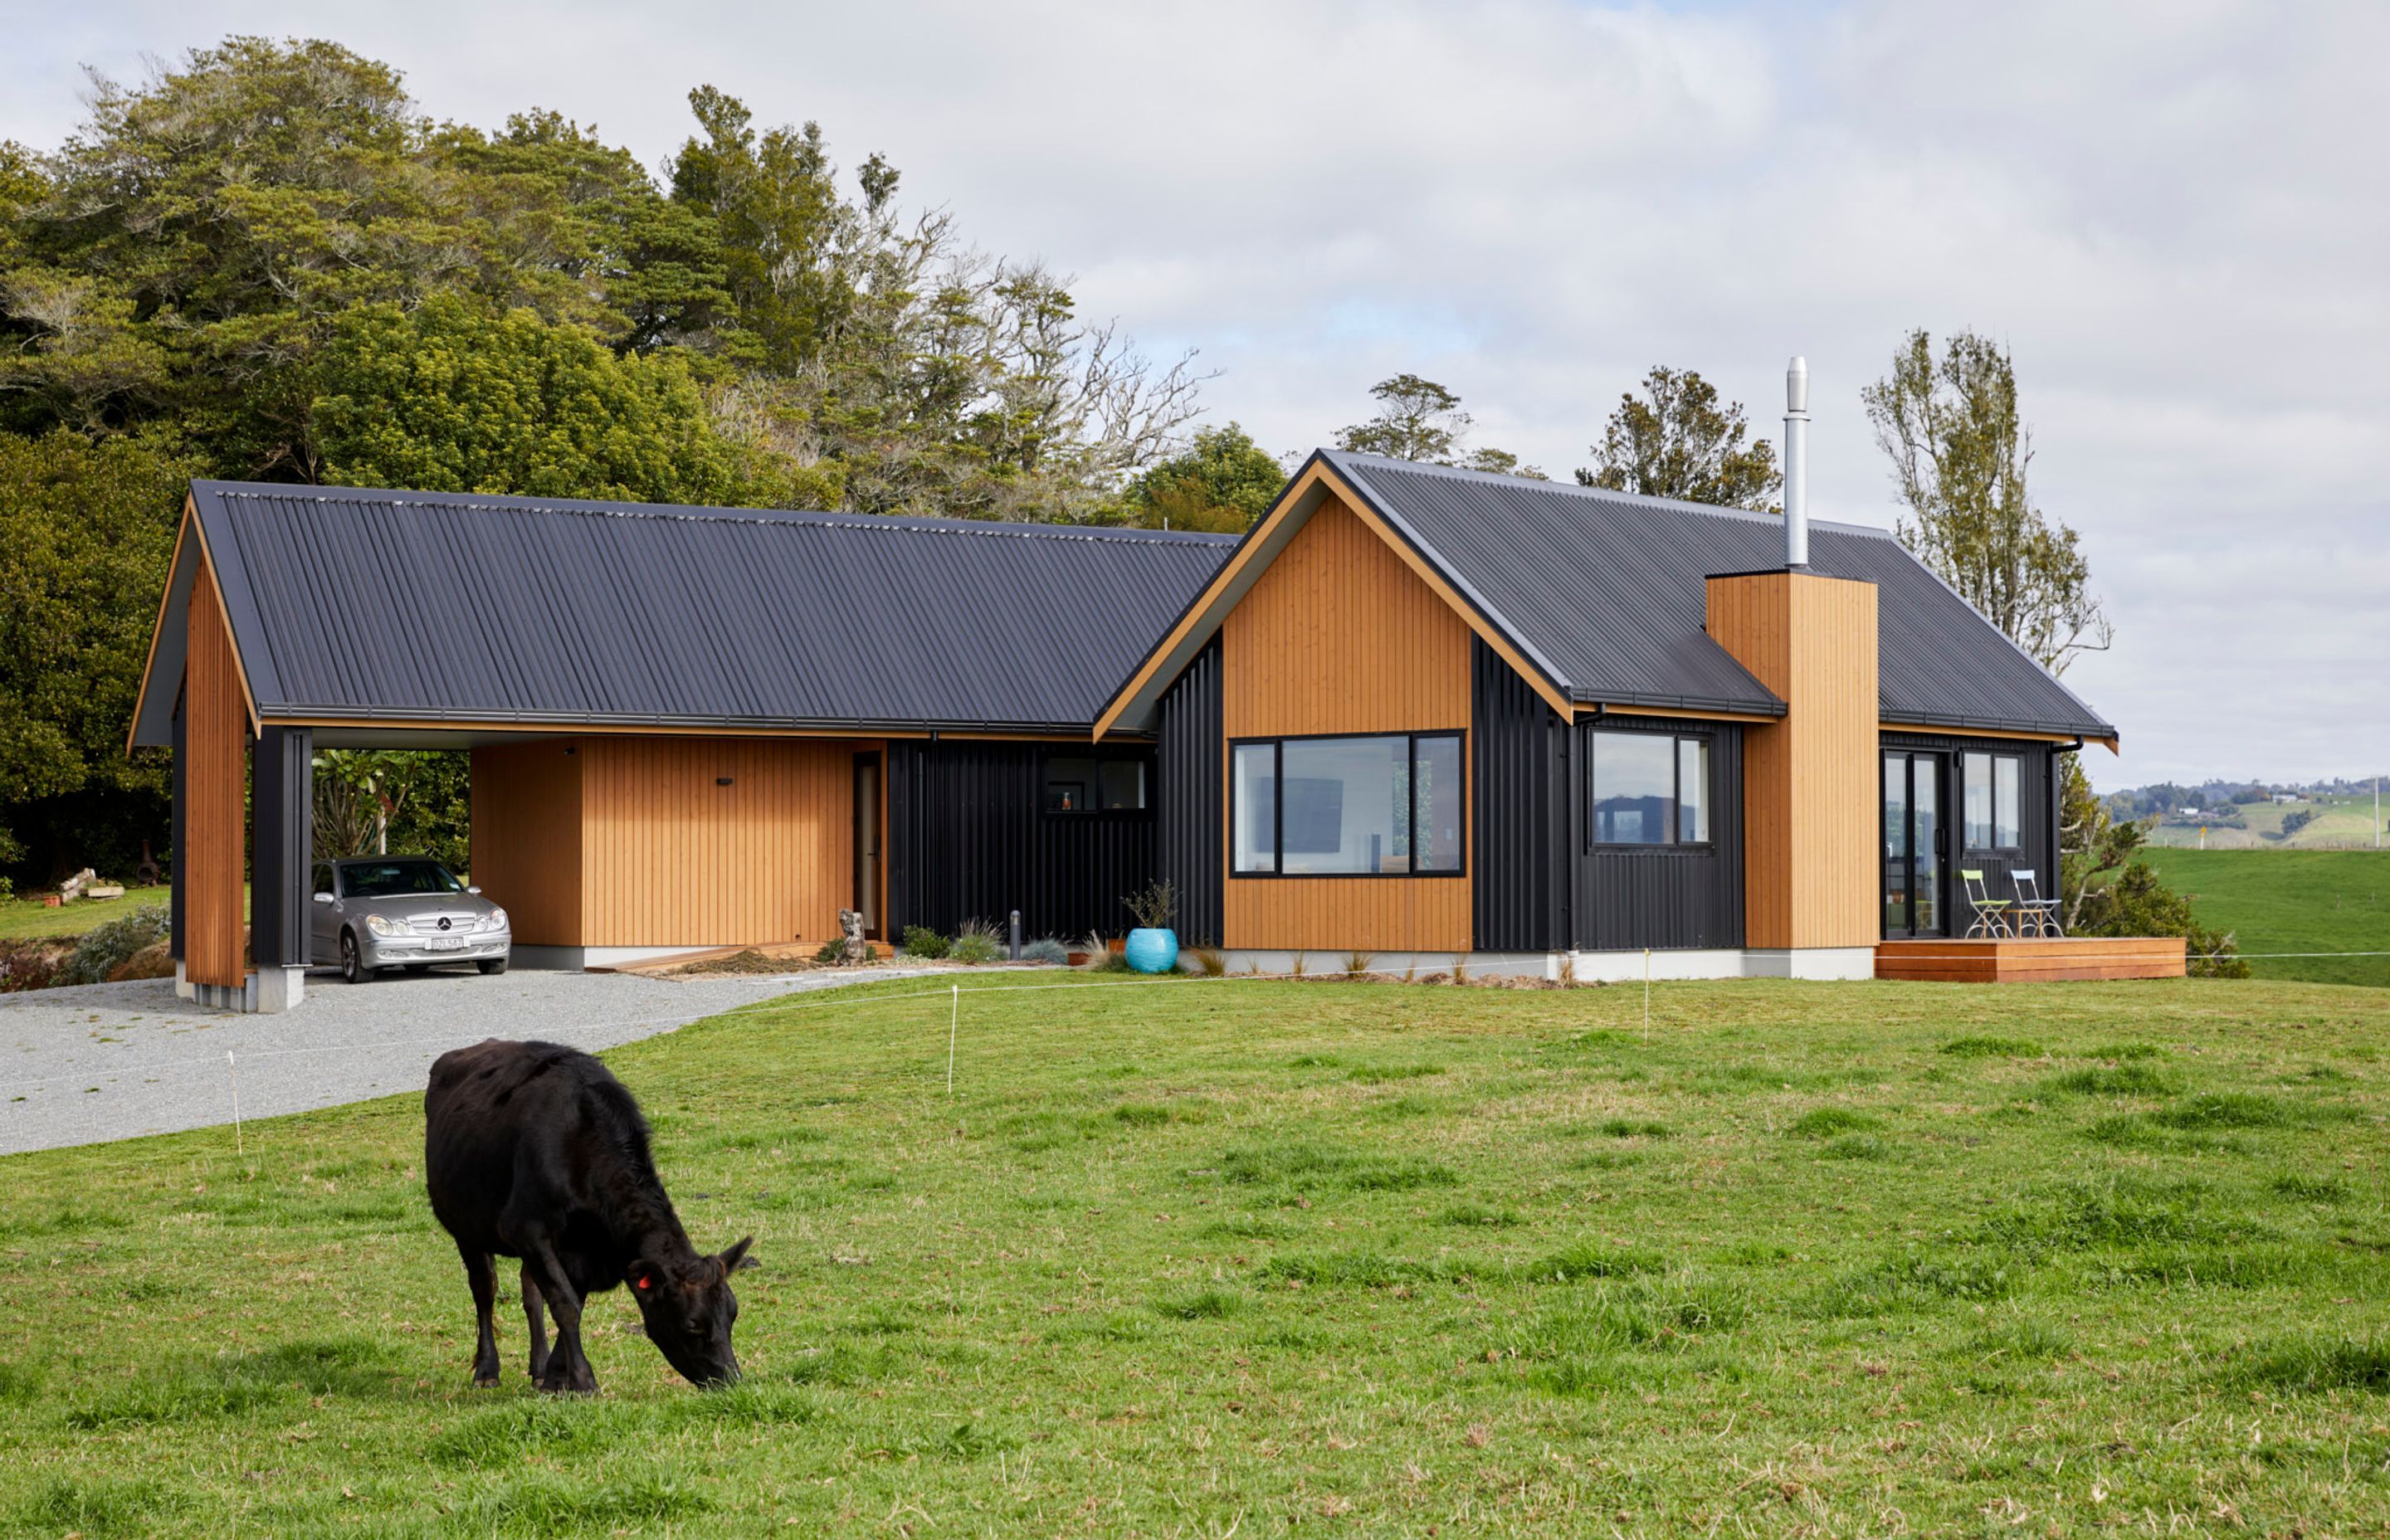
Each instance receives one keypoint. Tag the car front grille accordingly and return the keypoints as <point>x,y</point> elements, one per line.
<point>429,925</point>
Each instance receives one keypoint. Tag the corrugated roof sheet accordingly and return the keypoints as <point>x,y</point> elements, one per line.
<point>386,605</point>
<point>1608,589</point>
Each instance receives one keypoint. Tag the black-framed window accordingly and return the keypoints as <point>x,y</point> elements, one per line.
<point>1386,805</point>
<point>1648,788</point>
<point>1084,783</point>
<point>1989,799</point>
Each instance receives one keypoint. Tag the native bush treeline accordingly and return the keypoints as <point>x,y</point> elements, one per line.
<point>266,262</point>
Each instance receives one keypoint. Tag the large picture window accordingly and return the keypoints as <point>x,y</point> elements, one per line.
<point>1650,788</point>
<point>1386,805</point>
<point>1989,800</point>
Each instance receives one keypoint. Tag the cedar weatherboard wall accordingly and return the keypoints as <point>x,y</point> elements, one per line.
<point>672,858</point>
<point>215,784</point>
<point>1338,636</point>
<point>1812,782</point>
<point>633,841</point>
<point>527,839</point>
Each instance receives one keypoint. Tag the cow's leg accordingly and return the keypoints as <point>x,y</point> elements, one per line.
<point>537,1320</point>
<point>483,1276</point>
<point>568,1366</point>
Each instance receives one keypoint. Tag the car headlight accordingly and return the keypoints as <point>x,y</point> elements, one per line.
<point>382,927</point>
<point>495,920</point>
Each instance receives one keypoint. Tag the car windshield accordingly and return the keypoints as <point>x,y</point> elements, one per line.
<point>396,879</point>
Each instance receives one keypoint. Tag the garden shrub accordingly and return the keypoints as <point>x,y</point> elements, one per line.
<point>110,947</point>
<point>1046,949</point>
<point>922,941</point>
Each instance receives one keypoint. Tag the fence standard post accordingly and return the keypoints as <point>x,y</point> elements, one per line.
<point>954,1025</point>
<point>239,1149</point>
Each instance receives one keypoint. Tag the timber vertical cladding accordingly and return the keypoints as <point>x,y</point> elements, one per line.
<point>281,834</point>
<point>1190,797</point>
<point>1661,897</point>
<point>215,742</point>
<point>1339,636</point>
<point>969,839</point>
<point>648,840</point>
<point>1812,805</point>
<point>1520,757</point>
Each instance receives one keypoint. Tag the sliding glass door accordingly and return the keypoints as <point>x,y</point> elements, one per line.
<point>1913,844</point>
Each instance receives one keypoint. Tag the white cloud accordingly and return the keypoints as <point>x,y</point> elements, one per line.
<point>2176,214</point>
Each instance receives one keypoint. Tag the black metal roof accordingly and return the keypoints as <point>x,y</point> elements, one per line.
<point>440,606</point>
<point>1607,591</point>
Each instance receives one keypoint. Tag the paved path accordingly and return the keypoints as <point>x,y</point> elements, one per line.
<point>110,1061</point>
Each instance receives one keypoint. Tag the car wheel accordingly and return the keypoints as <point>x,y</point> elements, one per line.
<point>353,963</point>
<point>492,965</point>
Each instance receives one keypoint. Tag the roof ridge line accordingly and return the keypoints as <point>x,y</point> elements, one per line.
<point>707,513</point>
<point>1643,499</point>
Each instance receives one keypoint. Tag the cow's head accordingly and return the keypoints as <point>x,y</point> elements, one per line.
<point>688,1310</point>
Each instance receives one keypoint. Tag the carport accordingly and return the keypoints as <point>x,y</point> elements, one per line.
<point>690,727</point>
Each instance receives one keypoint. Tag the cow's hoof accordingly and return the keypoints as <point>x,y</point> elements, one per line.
<point>485,1381</point>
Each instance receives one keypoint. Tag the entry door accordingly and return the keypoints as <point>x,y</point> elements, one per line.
<point>867,841</point>
<point>1914,844</point>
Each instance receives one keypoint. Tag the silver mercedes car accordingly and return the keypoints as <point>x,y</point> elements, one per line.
<point>374,912</point>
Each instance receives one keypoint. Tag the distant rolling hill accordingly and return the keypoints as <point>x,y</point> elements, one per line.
<point>2340,822</point>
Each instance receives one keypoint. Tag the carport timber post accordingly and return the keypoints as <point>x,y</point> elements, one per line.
<point>280,858</point>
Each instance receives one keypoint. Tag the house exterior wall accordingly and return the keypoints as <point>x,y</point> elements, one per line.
<point>969,839</point>
<point>1190,797</point>
<point>2037,816</point>
<point>1339,636</point>
<point>1666,897</point>
<point>1521,759</point>
<point>636,840</point>
<point>1812,806</point>
<point>527,838</point>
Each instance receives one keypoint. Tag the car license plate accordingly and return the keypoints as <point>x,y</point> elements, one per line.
<point>446,943</point>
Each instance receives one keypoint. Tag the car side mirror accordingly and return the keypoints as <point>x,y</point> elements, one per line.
<point>472,889</point>
<point>322,898</point>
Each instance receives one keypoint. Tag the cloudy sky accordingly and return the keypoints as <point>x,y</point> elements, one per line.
<point>2177,215</point>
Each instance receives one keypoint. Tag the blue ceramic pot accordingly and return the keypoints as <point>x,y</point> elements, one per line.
<point>1152,951</point>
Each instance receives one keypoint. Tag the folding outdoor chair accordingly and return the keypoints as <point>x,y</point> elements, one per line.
<point>2032,911</point>
<point>1991,914</point>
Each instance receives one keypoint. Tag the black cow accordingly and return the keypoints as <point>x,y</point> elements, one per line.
<point>535,1151</point>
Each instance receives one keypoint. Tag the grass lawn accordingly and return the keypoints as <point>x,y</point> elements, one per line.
<point>1196,1258</point>
<point>23,918</point>
<point>2292,901</point>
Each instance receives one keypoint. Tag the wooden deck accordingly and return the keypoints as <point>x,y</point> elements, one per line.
<point>2007,962</point>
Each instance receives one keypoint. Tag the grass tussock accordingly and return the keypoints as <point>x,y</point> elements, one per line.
<point>1992,1047</point>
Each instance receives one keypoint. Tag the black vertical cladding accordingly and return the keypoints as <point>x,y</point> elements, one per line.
<point>2037,823</point>
<point>969,839</point>
<point>281,883</point>
<point>175,845</point>
<point>1666,895</point>
<point>1190,760</point>
<point>1519,765</point>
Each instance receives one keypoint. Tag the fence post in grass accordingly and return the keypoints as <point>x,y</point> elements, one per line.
<point>954,1025</point>
<point>239,1149</point>
<point>1646,994</point>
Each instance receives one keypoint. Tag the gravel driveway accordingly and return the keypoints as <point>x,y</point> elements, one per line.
<point>109,1061</point>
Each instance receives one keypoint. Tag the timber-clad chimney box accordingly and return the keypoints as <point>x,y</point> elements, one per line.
<point>1809,779</point>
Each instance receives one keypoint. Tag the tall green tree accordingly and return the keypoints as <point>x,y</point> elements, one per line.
<point>87,534</point>
<point>1960,450</point>
<point>1678,441</point>
<point>1419,419</point>
<point>1951,428</point>
<point>1221,482</point>
<point>448,396</point>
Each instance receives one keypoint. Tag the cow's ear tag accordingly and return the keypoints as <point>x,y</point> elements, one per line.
<point>643,1280</point>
